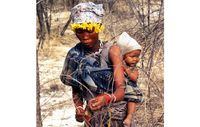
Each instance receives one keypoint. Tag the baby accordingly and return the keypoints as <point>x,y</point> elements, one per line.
<point>130,50</point>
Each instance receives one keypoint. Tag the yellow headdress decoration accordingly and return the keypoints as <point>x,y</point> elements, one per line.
<point>87,16</point>
<point>98,27</point>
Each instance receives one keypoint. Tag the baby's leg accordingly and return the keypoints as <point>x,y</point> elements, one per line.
<point>129,118</point>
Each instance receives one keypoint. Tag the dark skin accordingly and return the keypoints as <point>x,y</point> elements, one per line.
<point>90,40</point>
<point>130,114</point>
<point>131,59</point>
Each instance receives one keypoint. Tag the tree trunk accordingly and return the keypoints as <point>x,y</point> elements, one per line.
<point>65,27</point>
<point>42,24</point>
<point>38,110</point>
<point>44,5</point>
<point>43,18</point>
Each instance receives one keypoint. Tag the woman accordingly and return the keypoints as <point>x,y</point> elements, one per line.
<point>105,106</point>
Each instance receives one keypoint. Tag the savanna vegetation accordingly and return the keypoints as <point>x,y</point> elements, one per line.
<point>142,19</point>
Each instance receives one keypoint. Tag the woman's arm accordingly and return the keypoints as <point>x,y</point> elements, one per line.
<point>118,95</point>
<point>66,71</point>
<point>116,59</point>
<point>66,78</point>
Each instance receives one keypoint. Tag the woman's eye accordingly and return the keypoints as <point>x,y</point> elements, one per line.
<point>79,30</point>
<point>83,30</point>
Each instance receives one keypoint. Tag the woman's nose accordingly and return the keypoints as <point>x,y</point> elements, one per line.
<point>85,35</point>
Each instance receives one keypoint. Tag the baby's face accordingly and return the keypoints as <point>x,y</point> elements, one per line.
<point>131,58</point>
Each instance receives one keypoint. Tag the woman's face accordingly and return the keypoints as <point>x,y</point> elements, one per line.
<point>86,37</point>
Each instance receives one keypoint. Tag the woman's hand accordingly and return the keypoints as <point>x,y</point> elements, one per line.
<point>99,101</point>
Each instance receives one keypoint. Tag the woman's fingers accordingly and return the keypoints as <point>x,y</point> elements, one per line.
<point>91,103</point>
<point>96,103</point>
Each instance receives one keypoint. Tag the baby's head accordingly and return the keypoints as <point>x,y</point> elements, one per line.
<point>130,48</point>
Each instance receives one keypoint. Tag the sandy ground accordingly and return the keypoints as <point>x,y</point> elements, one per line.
<point>56,103</point>
<point>60,112</point>
<point>56,99</point>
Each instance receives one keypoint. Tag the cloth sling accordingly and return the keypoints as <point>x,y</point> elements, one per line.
<point>93,70</point>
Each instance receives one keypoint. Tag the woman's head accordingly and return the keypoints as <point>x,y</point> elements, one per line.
<point>87,22</point>
<point>87,16</point>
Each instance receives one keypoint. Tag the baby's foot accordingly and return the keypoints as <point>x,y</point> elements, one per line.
<point>128,120</point>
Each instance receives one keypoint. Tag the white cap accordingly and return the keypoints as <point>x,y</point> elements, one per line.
<point>127,43</point>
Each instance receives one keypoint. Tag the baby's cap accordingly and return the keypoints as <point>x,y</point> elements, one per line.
<point>127,43</point>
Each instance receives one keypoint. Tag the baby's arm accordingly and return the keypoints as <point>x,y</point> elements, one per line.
<point>132,74</point>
